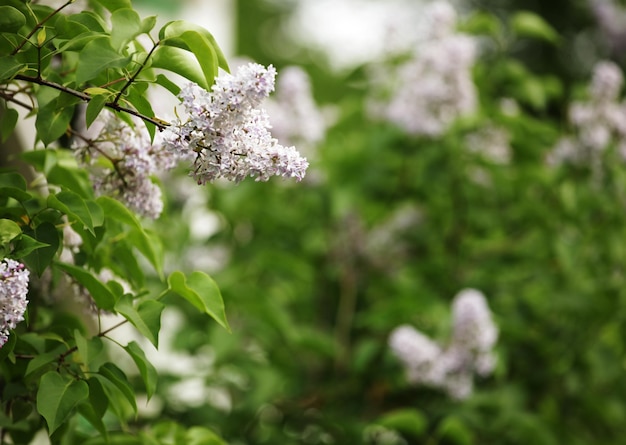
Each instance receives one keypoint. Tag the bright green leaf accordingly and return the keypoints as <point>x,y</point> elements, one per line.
<point>166,83</point>
<point>202,292</point>
<point>178,61</point>
<point>146,317</point>
<point>407,421</point>
<point>202,436</point>
<point>8,230</point>
<point>171,32</point>
<point>91,351</point>
<point>147,371</point>
<point>96,57</point>
<point>125,26</point>
<point>57,398</point>
<point>114,5</point>
<point>117,377</point>
<point>529,24</point>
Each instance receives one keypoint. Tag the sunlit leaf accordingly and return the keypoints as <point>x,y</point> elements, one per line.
<point>202,292</point>
<point>147,371</point>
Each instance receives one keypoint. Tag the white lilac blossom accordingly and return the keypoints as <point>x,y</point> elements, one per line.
<point>435,86</point>
<point>469,352</point>
<point>294,116</point>
<point>226,134</point>
<point>598,123</point>
<point>121,161</point>
<point>491,143</point>
<point>13,289</point>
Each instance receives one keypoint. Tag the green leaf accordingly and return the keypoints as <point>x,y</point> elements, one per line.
<point>96,57</point>
<point>8,230</point>
<point>42,360</point>
<point>137,98</point>
<point>12,180</point>
<point>11,19</point>
<point>146,317</point>
<point>171,32</point>
<point>39,259</point>
<point>145,243</point>
<point>9,67</point>
<point>147,371</point>
<point>125,26</point>
<point>91,351</point>
<point>52,121</point>
<point>529,24</point>
<point>94,107</point>
<point>148,23</point>
<point>114,5</point>
<point>8,123</point>
<point>117,377</point>
<point>408,421</point>
<point>166,83</point>
<point>104,298</point>
<point>198,435</point>
<point>201,48</point>
<point>453,430</point>
<point>57,398</point>
<point>73,206</point>
<point>25,245</point>
<point>202,292</point>
<point>177,61</point>
<point>94,408</point>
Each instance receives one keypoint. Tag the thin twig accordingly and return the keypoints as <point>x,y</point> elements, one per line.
<point>160,124</point>
<point>134,76</point>
<point>39,25</point>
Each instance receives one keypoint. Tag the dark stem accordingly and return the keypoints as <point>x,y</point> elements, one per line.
<point>134,76</point>
<point>11,98</point>
<point>39,25</point>
<point>160,124</point>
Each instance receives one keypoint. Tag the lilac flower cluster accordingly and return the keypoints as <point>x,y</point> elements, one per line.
<point>469,351</point>
<point>226,134</point>
<point>122,161</point>
<point>435,87</point>
<point>13,289</point>
<point>598,123</point>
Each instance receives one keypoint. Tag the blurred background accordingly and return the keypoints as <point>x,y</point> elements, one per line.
<point>448,151</point>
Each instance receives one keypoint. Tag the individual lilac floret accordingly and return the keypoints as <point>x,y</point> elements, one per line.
<point>13,289</point>
<point>121,162</point>
<point>226,134</point>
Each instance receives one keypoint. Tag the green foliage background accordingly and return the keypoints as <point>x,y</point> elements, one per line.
<point>545,245</point>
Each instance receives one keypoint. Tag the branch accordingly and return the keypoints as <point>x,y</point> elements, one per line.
<point>160,124</point>
<point>39,25</point>
<point>134,76</point>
